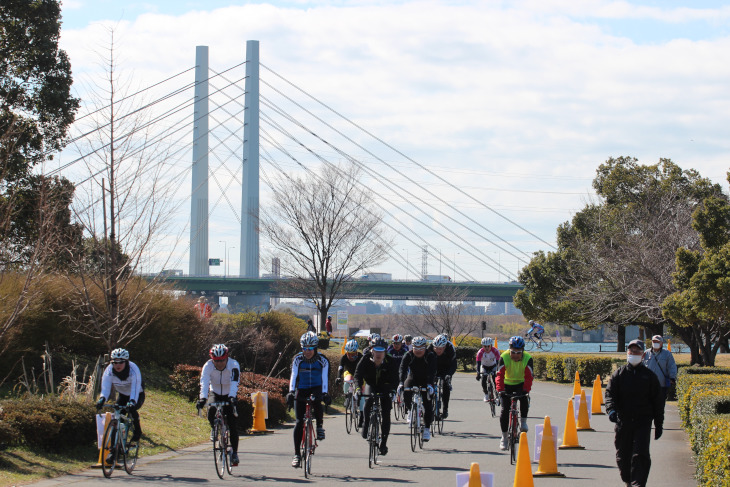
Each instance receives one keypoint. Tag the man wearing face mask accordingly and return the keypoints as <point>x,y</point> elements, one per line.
<point>661,362</point>
<point>633,401</point>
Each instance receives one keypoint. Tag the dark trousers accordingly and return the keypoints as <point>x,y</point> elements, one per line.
<point>385,406</point>
<point>231,420</point>
<point>122,400</point>
<point>632,450</point>
<point>300,408</point>
<point>446,395</point>
<point>408,397</point>
<point>507,403</point>
<point>485,372</point>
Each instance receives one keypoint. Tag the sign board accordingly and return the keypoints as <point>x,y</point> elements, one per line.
<point>576,406</point>
<point>342,319</point>
<point>538,440</point>
<point>214,262</point>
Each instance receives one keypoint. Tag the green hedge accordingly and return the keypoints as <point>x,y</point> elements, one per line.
<point>560,367</point>
<point>48,424</point>
<point>467,357</point>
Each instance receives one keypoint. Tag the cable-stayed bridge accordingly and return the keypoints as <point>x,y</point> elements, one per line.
<point>251,125</point>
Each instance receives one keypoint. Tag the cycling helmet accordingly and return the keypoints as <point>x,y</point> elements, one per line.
<point>516,342</point>
<point>397,338</point>
<point>531,322</point>
<point>440,341</point>
<point>219,352</point>
<point>351,346</point>
<point>373,338</point>
<point>379,345</point>
<point>419,342</point>
<point>309,339</point>
<point>120,354</point>
<point>486,341</point>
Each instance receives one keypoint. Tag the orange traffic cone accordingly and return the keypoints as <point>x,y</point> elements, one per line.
<point>523,473</point>
<point>570,432</point>
<point>576,384</point>
<point>548,466</point>
<point>669,345</point>
<point>597,396</point>
<point>453,341</point>
<point>584,422</point>
<point>342,350</point>
<point>475,477</point>
<point>496,344</point>
<point>259,415</point>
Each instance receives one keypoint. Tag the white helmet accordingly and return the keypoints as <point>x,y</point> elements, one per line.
<point>419,342</point>
<point>440,341</point>
<point>309,339</point>
<point>486,341</point>
<point>373,337</point>
<point>218,352</point>
<point>120,354</point>
<point>351,346</point>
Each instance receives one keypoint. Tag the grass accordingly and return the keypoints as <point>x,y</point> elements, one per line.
<point>169,422</point>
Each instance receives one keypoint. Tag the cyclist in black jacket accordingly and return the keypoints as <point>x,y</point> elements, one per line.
<point>445,366</point>
<point>380,374</point>
<point>418,368</point>
<point>348,364</point>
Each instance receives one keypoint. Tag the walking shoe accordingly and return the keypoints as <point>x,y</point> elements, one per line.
<point>364,433</point>
<point>234,459</point>
<point>410,415</point>
<point>320,434</point>
<point>486,397</point>
<point>503,442</point>
<point>383,450</point>
<point>360,421</point>
<point>426,434</point>
<point>524,425</point>
<point>445,414</point>
<point>212,434</point>
<point>296,461</point>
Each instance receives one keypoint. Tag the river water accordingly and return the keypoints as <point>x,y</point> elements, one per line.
<point>571,347</point>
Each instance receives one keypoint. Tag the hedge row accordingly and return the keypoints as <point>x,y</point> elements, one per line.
<point>47,424</point>
<point>703,396</point>
<point>561,367</point>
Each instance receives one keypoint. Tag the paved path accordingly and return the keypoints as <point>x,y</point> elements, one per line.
<point>470,435</point>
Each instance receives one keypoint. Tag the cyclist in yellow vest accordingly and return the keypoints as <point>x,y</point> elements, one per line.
<point>514,376</point>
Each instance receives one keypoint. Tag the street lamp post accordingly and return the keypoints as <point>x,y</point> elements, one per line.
<point>228,257</point>
<point>225,247</point>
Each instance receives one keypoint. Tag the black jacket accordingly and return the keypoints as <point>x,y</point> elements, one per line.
<point>380,379</point>
<point>635,392</point>
<point>446,362</point>
<point>422,370</point>
<point>347,365</point>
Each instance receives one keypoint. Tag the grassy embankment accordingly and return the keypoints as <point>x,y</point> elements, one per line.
<point>169,423</point>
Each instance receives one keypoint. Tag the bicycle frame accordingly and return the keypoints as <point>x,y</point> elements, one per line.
<point>415,425</point>
<point>513,430</point>
<point>115,441</point>
<point>222,451</point>
<point>309,438</point>
<point>375,425</point>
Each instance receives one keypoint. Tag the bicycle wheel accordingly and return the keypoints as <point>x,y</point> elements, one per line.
<point>373,440</point>
<point>491,393</point>
<point>109,446</point>
<point>219,451</point>
<point>414,428</point>
<point>308,444</point>
<point>402,406</point>
<point>440,406</point>
<point>396,408</point>
<point>529,344</point>
<point>546,344</point>
<point>356,415</point>
<point>229,451</point>
<point>348,414</point>
<point>130,457</point>
<point>420,426</point>
<point>512,435</point>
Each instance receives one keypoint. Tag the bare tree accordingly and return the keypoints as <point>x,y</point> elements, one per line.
<point>327,230</point>
<point>124,208</point>
<point>446,313</point>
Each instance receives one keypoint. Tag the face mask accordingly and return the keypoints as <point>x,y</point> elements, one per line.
<point>656,346</point>
<point>634,359</point>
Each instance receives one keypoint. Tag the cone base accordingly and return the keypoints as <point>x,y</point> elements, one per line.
<point>540,474</point>
<point>586,429</point>
<point>260,431</point>
<point>599,414</point>
<point>568,447</point>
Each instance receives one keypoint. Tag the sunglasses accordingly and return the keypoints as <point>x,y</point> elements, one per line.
<point>516,352</point>
<point>308,348</point>
<point>117,362</point>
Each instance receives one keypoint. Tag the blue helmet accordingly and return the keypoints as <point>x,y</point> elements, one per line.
<point>516,342</point>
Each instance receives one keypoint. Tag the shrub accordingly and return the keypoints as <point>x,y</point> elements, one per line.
<point>185,380</point>
<point>713,462</point>
<point>50,424</point>
<point>562,367</point>
<point>466,357</point>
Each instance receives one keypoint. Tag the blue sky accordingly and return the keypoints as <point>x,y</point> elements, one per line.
<point>515,102</point>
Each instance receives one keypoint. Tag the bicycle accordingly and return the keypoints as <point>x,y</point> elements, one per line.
<point>309,436</point>
<point>544,343</point>
<point>415,425</point>
<point>117,441</point>
<point>352,411</point>
<point>513,430</point>
<point>437,404</point>
<point>492,397</point>
<point>399,407</point>
<point>222,451</point>
<point>375,425</point>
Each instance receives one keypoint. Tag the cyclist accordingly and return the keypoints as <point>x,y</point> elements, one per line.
<point>407,339</point>
<point>220,375</point>
<point>418,368</point>
<point>380,373</point>
<point>371,339</point>
<point>397,349</point>
<point>536,329</point>
<point>445,366</point>
<point>348,364</point>
<point>309,373</point>
<point>127,381</point>
<point>487,360</point>
<point>514,375</point>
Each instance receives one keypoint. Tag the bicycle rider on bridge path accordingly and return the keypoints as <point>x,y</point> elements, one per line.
<point>309,375</point>
<point>445,366</point>
<point>536,329</point>
<point>377,374</point>
<point>514,376</point>
<point>487,361</point>
<point>418,368</point>
<point>220,375</point>
<point>127,381</point>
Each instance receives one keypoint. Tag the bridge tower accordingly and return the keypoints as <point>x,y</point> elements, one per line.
<point>249,247</point>
<point>199,195</point>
